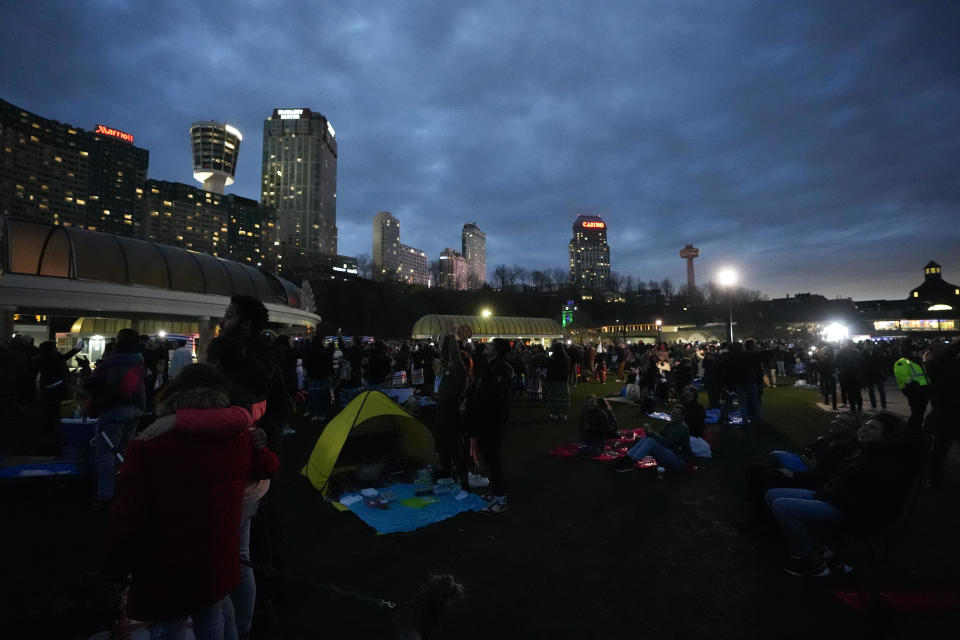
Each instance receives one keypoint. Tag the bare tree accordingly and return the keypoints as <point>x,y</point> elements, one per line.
<point>539,279</point>
<point>501,275</point>
<point>520,274</point>
<point>363,265</point>
<point>667,287</point>
<point>434,269</point>
<point>628,284</point>
<point>616,282</point>
<point>560,276</point>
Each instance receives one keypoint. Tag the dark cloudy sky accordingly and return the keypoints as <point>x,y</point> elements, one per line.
<point>815,146</point>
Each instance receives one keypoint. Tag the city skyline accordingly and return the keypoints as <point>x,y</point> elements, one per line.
<point>810,146</point>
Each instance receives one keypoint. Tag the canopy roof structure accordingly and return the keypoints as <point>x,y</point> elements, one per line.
<point>432,326</point>
<point>52,267</point>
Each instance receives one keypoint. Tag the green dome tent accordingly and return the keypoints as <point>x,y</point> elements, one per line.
<point>360,432</point>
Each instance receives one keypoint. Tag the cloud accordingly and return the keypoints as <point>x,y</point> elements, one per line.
<point>812,144</point>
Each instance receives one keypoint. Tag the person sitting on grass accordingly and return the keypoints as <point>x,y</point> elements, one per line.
<point>696,415</point>
<point>595,427</point>
<point>809,469</point>
<point>867,491</point>
<point>670,447</point>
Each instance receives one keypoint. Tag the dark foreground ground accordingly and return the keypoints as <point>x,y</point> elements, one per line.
<point>582,552</point>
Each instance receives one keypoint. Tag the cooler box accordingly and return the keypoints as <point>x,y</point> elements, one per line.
<point>75,436</point>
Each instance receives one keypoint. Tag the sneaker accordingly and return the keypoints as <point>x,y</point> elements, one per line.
<point>623,464</point>
<point>553,416</point>
<point>806,569</point>
<point>287,431</point>
<point>562,418</point>
<point>477,481</point>
<point>498,504</point>
<point>307,414</point>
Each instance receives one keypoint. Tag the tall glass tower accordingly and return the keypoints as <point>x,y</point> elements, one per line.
<point>300,180</point>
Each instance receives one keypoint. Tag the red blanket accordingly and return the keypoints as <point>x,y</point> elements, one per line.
<point>612,448</point>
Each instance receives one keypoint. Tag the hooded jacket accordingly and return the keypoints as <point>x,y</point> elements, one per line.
<point>175,520</point>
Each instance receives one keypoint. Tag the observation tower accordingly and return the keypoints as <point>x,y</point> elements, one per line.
<point>216,146</point>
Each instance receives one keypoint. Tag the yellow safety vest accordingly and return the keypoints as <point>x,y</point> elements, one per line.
<point>908,371</point>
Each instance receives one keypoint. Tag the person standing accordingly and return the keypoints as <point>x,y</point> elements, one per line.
<point>914,384</point>
<point>54,386</point>
<point>182,357</point>
<point>455,378</point>
<point>118,398</point>
<point>873,375</point>
<point>849,366</point>
<point>175,524</point>
<point>556,388</point>
<point>489,408</point>
<point>943,422</point>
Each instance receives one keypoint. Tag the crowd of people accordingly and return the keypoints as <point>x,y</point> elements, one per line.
<point>203,463</point>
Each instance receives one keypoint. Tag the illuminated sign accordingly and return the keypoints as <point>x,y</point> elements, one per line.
<point>289,114</point>
<point>333,134</point>
<point>594,225</point>
<point>114,133</point>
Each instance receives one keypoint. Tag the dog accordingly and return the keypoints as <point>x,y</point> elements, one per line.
<point>420,618</point>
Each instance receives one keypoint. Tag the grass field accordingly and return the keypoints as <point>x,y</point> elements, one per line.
<point>582,552</point>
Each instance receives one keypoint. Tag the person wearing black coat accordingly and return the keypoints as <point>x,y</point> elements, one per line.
<point>488,409</point>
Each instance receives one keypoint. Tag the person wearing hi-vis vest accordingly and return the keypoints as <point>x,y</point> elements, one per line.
<point>913,382</point>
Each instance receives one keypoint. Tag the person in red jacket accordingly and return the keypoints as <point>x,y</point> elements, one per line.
<point>175,520</point>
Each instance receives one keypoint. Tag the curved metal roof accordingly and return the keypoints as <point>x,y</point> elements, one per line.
<point>37,249</point>
<point>492,327</point>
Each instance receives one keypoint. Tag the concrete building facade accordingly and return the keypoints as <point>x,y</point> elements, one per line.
<point>393,260</point>
<point>61,174</point>
<point>454,271</point>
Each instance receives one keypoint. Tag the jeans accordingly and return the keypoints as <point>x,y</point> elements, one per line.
<point>119,424</point>
<point>873,397</point>
<point>828,388</point>
<point>749,399</point>
<point>651,447</point>
<point>245,595</point>
<point>214,622</point>
<point>797,512</point>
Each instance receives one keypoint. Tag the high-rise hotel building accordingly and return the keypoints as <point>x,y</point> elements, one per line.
<point>55,172</point>
<point>590,255</point>
<point>228,226</point>
<point>393,260</point>
<point>300,180</point>
<point>454,272</point>
<point>216,147</point>
<point>474,251</point>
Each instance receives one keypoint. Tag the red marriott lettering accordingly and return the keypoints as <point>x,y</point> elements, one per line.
<point>103,129</point>
<point>593,225</point>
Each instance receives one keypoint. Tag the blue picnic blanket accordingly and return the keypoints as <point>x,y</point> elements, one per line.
<point>418,512</point>
<point>713,416</point>
<point>42,469</point>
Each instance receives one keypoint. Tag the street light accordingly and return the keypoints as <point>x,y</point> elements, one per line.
<point>659,324</point>
<point>727,278</point>
<point>486,313</point>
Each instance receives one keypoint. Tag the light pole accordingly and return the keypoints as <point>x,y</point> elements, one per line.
<point>659,324</point>
<point>727,278</point>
